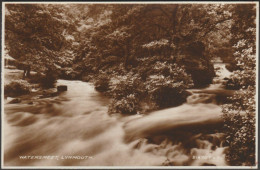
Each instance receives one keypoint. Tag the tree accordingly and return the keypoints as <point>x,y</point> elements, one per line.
<point>134,31</point>
<point>36,34</point>
<point>137,36</point>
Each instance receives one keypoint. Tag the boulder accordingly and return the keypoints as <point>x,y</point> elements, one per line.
<point>8,99</point>
<point>16,100</point>
<point>62,88</point>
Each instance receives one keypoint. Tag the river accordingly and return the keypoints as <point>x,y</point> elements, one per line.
<point>74,129</point>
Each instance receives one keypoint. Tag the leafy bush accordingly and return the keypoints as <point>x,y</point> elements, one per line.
<point>46,80</point>
<point>102,83</point>
<point>164,86</point>
<point>87,77</point>
<point>49,79</point>
<point>167,84</point>
<point>239,119</point>
<point>125,105</point>
<point>111,60</point>
<point>233,84</point>
<point>35,78</point>
<point>231,66</point>
<point>16,88</point>
<point>126,94</point>
<point>125,85</point>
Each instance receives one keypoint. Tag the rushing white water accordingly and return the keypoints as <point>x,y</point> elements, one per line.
<point>76,123</point>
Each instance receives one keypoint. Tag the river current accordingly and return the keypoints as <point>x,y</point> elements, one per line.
<point>74,129</point>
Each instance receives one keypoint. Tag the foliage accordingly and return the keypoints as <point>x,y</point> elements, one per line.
<point>35,78</point>
<point>246,63</point>
<point>16,88</point>
<point>135,49</point>
<point>163,86</point>
<point>125,105</point>
<point>48,79</point>
<point>126,92</point>
<point>182,34</point>
<point>143,55</point>
<point>167,84</point>
<point>102,83</point>
<point>37,34</point>
<point>125,85</point>
<point>239,116</point>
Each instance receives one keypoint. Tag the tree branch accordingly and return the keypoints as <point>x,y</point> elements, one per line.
<point>213,26</point>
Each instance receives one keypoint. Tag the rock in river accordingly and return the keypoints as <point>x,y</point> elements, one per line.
<point>16,100</point>
<point>62,88</point>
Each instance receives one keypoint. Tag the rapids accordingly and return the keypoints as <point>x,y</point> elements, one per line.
<point>74,129</point>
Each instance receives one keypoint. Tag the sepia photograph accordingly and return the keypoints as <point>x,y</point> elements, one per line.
<point>136,85</point>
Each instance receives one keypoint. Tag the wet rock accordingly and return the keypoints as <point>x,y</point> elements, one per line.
<point>51,94</point>
<point>62,88</point>
<point>8,99</point>
<point>16,100</point>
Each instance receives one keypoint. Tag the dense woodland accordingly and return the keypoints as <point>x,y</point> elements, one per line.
<point>144,56</point>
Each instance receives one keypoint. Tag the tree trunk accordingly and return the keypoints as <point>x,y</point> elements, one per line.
<point>126,56</point>
<point>24,72</point>
<point>28,74</point>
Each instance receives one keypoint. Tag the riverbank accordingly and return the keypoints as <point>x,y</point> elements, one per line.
<point>35,90</point>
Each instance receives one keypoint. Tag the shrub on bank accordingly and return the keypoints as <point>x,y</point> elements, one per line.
<point>240,115</point>
<point>69,74</point>
<point>49,79</point>
<point>126,92</point>
<point>102,83</point>
<point>125,105</point>
<point>44,80</point>
<point>164,86</point>
<point>125,85</point>
<point>16,88</point>
<point>233,84</point>
<point>239,123</point>
<point>167,84</point>
<point>35,78</point>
